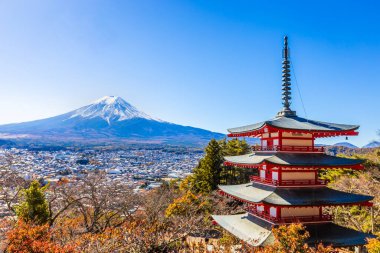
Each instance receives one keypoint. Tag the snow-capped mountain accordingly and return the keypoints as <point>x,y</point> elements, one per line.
<point>109,119</point>
<point>110,108</point>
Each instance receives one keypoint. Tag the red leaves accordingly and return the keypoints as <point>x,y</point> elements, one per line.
<point>29,238</point>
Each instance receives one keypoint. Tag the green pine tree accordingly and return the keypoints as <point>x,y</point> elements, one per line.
<point>206,175</point>
<point>34,207</point>
<point>235,147</point>
<point>233,175</point>
<point>210,170</point>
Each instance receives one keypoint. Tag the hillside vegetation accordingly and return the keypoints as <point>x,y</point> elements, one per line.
<point>92,214</point>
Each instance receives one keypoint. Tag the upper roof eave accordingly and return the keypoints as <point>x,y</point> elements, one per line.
<point>294,123</point>
<point>295,159</point>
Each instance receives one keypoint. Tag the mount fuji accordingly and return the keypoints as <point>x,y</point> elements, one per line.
<point>110,118</point>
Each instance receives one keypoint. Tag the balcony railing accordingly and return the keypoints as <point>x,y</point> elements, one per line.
<point>291,219</point>
<point>288,182</point>
<point>289,148</point>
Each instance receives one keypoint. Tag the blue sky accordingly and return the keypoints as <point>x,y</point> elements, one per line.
<point>209,64</point>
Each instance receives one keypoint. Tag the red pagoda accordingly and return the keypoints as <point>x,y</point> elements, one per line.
<point>287,188</point>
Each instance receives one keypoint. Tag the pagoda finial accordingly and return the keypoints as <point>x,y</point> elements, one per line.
<point>286,85</point>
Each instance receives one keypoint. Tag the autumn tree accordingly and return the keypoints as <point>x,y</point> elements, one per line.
<point>99,202</point>
<point>358,217</point>
<point>373,245</point>
<point>292,238</point>
<point>168,217</point>
<point>365,182</point>
<point>31,238</point>
<point>188,204</point>
<point>11,185</point>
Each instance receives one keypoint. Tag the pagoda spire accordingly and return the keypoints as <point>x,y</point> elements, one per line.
<point>286,84</point>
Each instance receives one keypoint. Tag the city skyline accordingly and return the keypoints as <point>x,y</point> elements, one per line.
<point>206,65</point>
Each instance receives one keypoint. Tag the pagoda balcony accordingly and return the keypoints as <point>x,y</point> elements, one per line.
<point>287,148</point>
<point>291,219</point>
<point>304,182</point>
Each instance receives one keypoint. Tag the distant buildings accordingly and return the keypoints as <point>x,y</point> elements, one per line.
<point>132,166</point>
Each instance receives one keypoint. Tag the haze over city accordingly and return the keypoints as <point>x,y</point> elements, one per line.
<point>214,64</point>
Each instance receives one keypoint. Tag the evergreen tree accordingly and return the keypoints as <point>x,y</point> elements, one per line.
<point>223,146</point>
<point>233,175</point>
<point>210,170</point>
<point>34,208</point>
<point>207,174</point>
<point>235,147</point>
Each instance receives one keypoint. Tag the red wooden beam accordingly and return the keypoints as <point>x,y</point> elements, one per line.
<point>365,203</point>
<point>256,166</point>
<point>316,133</point>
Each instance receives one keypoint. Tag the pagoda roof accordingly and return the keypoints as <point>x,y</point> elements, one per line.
<point>292,123</point>
<point>248,228</point>
<point>295,159</point>
<point>335,235</point>
<point>306,196</point>
<point>258,232</point>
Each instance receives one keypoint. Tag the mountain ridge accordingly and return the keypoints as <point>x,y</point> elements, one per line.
<point>111,118</point>
<point>372,144</point>
<point>345,144</point>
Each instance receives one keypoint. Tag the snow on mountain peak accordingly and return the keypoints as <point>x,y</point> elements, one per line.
<point>110,100</point>
<point>111,109</point>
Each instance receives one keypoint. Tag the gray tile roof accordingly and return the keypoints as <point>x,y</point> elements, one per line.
<point>335,235</point>
<point>310,196</point>
<point>257,232</point>
<point>293,159</point>
<point>248,228</point>
<point>296,123</point>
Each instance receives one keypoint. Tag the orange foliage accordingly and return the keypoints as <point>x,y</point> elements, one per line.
<point>292,238</point>
<point>27,238</point>
<point>373,245</point>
